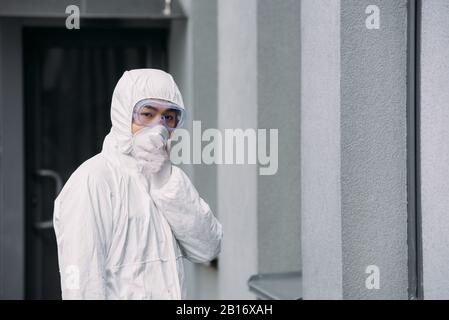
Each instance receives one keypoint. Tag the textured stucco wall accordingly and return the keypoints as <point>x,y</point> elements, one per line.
<point>237,108</point>
<point>353,152</point>
<point>373,148</point>
<point>278,29</point>
<point>435,148</point>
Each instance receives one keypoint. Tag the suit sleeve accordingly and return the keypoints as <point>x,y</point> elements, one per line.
<point>195,227</point>
<point>82,226</point>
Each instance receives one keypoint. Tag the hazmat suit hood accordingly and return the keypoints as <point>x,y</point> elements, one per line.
<point>133,86</point>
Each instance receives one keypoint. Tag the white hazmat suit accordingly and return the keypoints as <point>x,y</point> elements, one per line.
<point>118,237</point>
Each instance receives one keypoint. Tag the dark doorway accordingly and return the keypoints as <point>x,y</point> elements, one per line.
<point>69,79</point>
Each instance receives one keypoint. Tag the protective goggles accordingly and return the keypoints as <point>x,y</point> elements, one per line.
<point>153,112</point>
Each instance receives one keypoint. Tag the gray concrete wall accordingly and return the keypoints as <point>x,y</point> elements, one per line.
<point>278,91</point>
<point>435,147</point>
<point>237,108</point>
<point>354,158</point>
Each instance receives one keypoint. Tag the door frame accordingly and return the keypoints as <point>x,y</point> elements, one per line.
<point>12,174</point>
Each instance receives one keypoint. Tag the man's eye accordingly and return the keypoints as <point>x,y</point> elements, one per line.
<point>169,118</point>
<point>147,114</point>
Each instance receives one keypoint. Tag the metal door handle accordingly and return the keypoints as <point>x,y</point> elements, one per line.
<point>45,225</point>
<point>52,174</point>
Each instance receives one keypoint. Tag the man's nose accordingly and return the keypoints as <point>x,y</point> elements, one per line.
<point>161,119</point>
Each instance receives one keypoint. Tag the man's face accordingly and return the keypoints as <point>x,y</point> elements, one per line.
<point>152,115</point>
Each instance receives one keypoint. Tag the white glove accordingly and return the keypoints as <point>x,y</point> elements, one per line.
<point>150,151</point>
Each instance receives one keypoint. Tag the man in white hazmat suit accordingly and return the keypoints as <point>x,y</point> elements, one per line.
<point>126,217</point>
